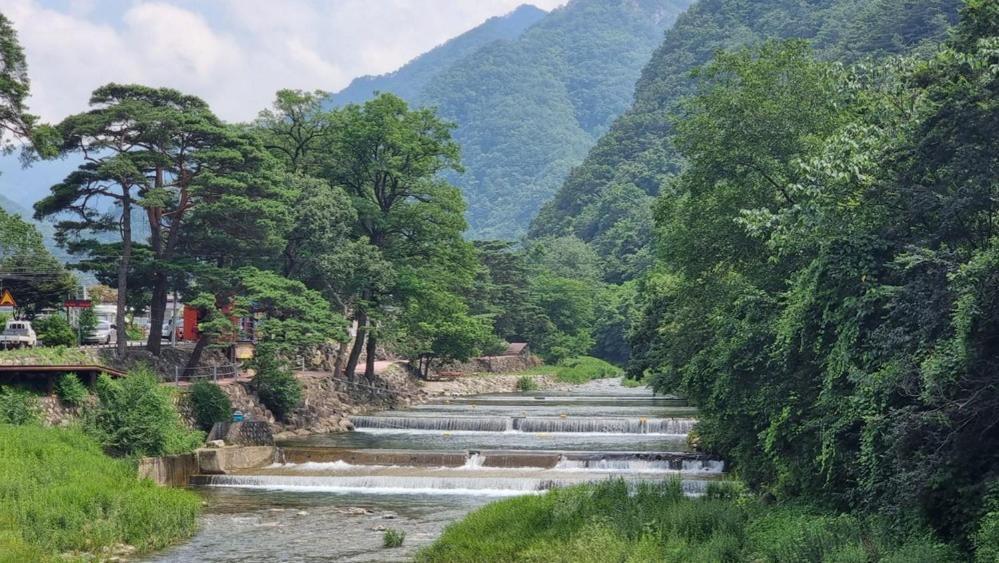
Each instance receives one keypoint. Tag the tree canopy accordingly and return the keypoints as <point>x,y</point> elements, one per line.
<point>825,286</point>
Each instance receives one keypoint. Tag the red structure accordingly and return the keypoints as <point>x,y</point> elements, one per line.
<point>191,319</point>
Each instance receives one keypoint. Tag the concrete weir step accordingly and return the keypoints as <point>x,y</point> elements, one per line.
<point>565,400</point>
<point>541,459</point>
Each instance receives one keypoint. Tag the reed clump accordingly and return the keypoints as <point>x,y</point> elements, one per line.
<point>62,495</point>
<point>613,521</point>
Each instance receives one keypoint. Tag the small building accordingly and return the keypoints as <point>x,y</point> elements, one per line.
<point>518,349</point>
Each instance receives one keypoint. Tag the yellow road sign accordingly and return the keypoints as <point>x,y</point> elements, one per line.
<point>7,300</point>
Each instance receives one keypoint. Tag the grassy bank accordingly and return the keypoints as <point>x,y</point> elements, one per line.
<point>604,523</point>
<point>577,370</point>
<point>60,494</point>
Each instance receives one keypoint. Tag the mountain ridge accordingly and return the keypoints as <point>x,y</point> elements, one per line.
<point>407,80</point>
<point>606,200</point>
<point>528,109</point>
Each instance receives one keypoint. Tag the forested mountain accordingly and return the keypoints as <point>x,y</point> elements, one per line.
<point>606,201</point>
<point>45,228</point>
<point>408,81</point>
<point>528,109</point>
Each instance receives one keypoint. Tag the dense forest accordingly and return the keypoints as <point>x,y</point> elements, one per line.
<point>606,200</point>
<point>826,276</point>
<point>527,109</point>
<point>408,81</point>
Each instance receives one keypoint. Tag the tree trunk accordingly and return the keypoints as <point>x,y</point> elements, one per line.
<point>157,312</point>
<point>123,265</point>
<point>355,351</point>
<point>195,358</point>
<point>157,304</point>
<point>369,360</point>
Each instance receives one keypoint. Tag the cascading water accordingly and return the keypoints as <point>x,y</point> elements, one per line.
<point>449,424</point>
<point>566,424</point>
<point>423,468</point>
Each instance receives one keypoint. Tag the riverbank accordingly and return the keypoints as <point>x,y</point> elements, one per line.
<point>62,496</point>
<point>612,522</point>
<point>416,470</point>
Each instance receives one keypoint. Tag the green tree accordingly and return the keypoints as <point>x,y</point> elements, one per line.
<point>388,158</point>
<point>87,321</point>
<point>55,330</point>
<point>16,124</point>
<point>827,285</point>
<point>36,278</point>
<point>296,129</point>
<point>114,170</point>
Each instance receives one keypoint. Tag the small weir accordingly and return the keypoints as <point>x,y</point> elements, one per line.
<point>422,468</point>
<point>617,425</point>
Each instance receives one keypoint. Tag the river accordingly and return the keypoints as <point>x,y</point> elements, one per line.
<point>419,469</point>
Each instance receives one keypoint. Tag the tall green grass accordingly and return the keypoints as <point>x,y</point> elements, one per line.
<point>59,494</point>
<point>609,522</point>
<point>577,370</point>
<point>585,368</point>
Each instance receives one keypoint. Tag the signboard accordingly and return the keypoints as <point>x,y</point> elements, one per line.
<point>7,300</point>
<point>78,304</point>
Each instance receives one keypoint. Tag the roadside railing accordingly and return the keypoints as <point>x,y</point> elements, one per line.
<point>207,373</point>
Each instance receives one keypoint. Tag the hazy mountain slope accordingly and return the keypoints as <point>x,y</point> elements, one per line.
<point>606,200</point>
<point>410,79</point>
<point>527,109</point>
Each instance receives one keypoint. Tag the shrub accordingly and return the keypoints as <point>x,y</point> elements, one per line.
<point>526,383</point>
<point>18,407</point>
<point>70,390</point>
<point>584,368</point>
<point>63,497</point>
<point>986,539</point>
<point>133,332</point>
<point>210,404</point>
<point>135,415</point>
<point>276,386</point>
<point>393,537</point>
<point>87,321</point>
<point>54,330</point>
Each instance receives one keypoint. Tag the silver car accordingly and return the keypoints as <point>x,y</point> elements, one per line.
<point>104,333</point>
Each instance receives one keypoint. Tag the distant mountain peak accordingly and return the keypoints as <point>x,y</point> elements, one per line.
<point>408,80</point>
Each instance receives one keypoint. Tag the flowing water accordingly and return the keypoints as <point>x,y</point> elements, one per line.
<point>420,469</point>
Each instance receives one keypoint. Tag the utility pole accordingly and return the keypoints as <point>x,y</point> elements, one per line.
<point>173,322</point>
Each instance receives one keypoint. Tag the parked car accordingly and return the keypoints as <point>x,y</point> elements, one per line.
<point>169,328</point>
<point>18,334</point>
<point>104,333</point>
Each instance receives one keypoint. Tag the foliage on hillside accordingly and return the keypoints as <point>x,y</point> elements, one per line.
<point>408,81</point>
<point>606,200</point>
<point>827,283</point>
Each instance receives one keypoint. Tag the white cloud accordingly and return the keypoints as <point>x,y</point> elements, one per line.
<point>236,54</point>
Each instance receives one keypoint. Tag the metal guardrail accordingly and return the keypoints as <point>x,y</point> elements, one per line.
<point>207,373</point>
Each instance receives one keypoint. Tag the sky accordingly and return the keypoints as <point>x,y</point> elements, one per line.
<point>235,54</point>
